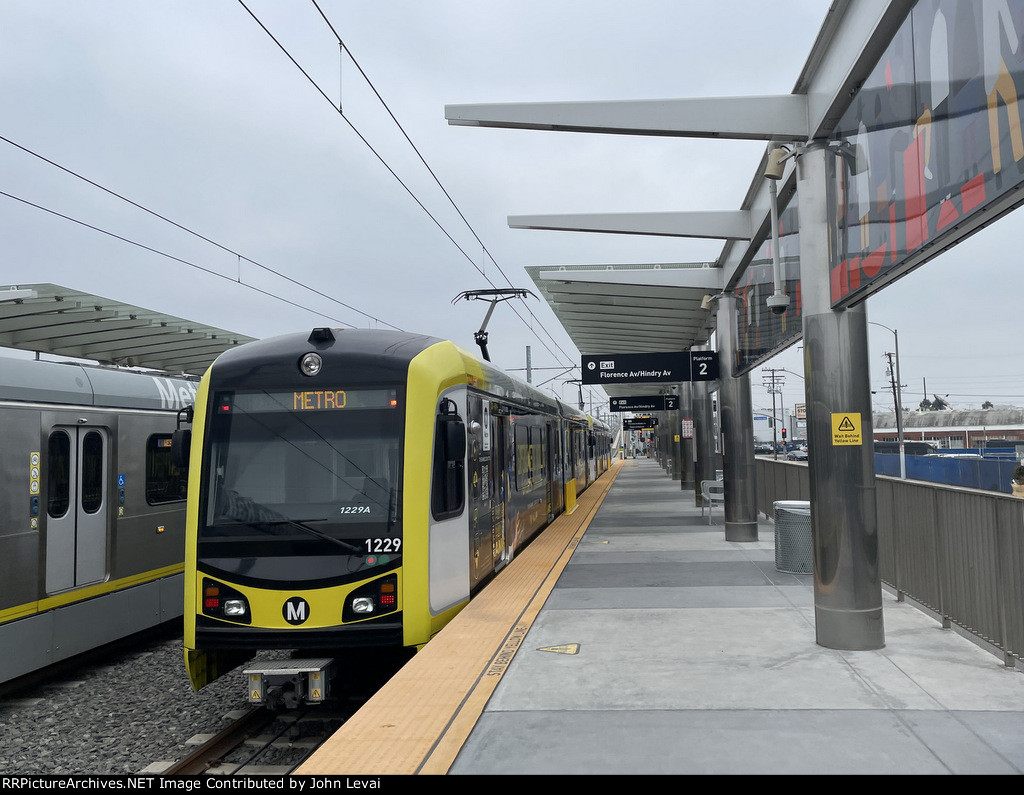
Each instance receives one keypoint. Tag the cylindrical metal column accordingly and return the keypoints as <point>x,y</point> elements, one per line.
<point>672,438</point>
<point>737,432</point>
<point>847,583</point>
<point>658,438</point>
<point>665,456</point>
<point>685,442</point>
<point>703,436</point>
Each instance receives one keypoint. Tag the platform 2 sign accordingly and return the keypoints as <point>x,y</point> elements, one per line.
<point>639,423</point>
<point>649,368</point>
<point>650,403</point>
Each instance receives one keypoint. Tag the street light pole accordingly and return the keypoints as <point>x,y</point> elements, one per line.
<point>899,410</point>
<point>773,383</point>
<point>898,395</point>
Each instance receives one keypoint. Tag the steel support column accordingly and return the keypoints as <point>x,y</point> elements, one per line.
<point>844,523</point>
<point>685,443</point>
<point>737,432</point>
<point>703,436</point>
<point>675,444</point>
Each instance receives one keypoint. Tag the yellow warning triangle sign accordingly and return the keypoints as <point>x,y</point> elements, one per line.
<point>847,425</point>
<point>565,648</point>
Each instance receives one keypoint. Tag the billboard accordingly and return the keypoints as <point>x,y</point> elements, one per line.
<point>930,148</point>
<point>932,138</point>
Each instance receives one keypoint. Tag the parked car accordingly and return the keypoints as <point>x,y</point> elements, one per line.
<point>763,449</point>
<point>797,455</point>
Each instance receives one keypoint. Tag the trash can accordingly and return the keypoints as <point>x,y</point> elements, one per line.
<point>794,551</point>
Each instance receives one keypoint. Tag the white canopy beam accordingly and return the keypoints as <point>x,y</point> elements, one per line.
<point>779,117</point>
<point>705,279</point>
<point>724,224</point>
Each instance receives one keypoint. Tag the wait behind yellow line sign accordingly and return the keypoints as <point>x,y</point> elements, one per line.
<point>846,428</point>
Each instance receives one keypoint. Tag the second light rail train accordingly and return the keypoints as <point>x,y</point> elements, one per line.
<point>92,508</point>
<point>351,490</point>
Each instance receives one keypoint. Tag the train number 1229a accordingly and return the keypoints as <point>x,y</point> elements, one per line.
<point>383,544</point>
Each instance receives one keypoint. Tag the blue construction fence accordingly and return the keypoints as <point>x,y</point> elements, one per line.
<point>991,473</point>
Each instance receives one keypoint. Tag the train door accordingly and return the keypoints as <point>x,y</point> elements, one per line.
<point>481,490</point>
<point>554,471</point>
<point>501,485</point>
<point>75,470</point>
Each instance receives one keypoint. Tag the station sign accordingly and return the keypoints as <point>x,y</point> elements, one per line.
<point>639,423</point>
<point>650,403</point>
<point>649,368</point>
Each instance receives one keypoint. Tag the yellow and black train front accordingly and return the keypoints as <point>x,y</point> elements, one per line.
<point>322,470</point>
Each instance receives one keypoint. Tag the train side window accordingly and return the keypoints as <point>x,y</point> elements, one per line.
<point>522,453</point>
<point>165,482</point>
<point>448,493</point>
<point>92,472</point>
<point>58,474</point>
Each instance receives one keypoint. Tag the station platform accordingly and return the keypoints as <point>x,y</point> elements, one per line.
<point>631,638</point>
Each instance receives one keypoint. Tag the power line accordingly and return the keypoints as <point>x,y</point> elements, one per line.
<point>165,254</point>
<point>393,173</point>
<point>184,228</point>
<point>469,226</point>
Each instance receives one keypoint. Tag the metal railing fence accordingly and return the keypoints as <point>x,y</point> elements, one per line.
<point>959,552</point>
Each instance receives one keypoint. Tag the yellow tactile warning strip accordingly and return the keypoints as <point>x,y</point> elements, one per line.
<point>419,721</point>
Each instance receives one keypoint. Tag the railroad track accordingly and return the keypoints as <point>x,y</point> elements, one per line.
<point>262,742</point>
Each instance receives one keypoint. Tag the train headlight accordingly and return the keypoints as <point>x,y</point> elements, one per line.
<point>372,599</point>
<point>235,607</point>
<point>224,602</point>
<point>310,364</point>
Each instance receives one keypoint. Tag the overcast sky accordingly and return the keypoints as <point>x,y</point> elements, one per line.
<point>190,108</point>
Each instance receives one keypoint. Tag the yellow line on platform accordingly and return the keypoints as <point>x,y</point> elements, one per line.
<point>419,721</point>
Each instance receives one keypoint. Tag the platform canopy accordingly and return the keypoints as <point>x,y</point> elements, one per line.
<point>662,311</point>
<point>631,308</point>
<point>47,318</point>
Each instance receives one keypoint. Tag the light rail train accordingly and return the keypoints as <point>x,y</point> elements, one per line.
<point>92,514</point>
<point>352,490</point>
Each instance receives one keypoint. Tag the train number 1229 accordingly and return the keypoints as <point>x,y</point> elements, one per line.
<point>383,544</point>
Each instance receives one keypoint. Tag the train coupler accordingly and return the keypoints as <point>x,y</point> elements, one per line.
<point>288,683</point>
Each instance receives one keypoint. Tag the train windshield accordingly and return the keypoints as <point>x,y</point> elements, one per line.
<point>318,470</point>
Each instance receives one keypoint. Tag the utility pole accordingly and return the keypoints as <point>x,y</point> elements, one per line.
<point>897,400</point>
<point>897,395</point>
<point>773,382</point>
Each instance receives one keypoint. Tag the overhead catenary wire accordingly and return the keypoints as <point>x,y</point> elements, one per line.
<point>486,253</point>
<point>391,170</point>
<point>186,229</point>
<point>168,256</point>
<point>240,257</point>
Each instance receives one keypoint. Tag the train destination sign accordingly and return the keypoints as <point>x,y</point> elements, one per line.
<point>647,368</point>
<point>639,423</point>
<point>651,403</point>
<point>261,401</point>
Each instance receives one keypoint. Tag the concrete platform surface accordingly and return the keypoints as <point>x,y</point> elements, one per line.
<point>665,649</point>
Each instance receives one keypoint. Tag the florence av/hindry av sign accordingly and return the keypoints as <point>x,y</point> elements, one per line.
<point>649,368</point>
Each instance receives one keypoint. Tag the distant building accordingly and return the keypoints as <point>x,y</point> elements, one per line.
<point>1002,426</point>
<point>763,428</point>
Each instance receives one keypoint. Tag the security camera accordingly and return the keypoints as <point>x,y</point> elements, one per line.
<point>778,303</point>
<point>776,162</point>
